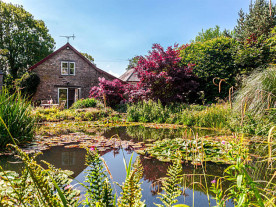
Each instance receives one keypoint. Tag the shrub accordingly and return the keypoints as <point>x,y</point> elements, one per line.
<point>28,84</point>
<point>84,103</point>
<point>258,92</point>
<point>16,114</point>
<point>211,59</point>
<point>163,78</point>
<point>111,92</point>
<point>214,116</point>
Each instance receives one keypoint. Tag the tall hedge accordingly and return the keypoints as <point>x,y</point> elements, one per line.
<point>211,59</point>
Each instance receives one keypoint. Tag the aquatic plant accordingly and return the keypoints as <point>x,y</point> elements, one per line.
<point>15,112</point>
<point>196,150</point>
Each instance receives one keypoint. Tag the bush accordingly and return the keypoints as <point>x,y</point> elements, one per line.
<point>214,116</point>
<point>16,114</point>
<point>28,84</point>
<point>163,78</point>
<point>84,103</point>
<point>258,92</point>
<point>111,92</point>
<point>211,59</point>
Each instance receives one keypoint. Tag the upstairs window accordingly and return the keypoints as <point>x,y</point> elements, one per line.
<point>67,68</point>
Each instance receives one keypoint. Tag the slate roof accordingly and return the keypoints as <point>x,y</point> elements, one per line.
<point>130,76</point>
<point>78,53</point>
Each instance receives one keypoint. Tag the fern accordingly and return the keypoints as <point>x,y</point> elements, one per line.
<point>36,186</point>
<point>131,190</point>
<point>99,191</point>
<point>170,185</point>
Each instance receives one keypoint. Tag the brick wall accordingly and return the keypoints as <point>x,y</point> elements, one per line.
<point>51,79</point>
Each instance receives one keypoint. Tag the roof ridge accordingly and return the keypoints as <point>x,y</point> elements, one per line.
<point>77,52</point>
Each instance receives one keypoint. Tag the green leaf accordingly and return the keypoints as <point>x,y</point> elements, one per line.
<point>239,180</point>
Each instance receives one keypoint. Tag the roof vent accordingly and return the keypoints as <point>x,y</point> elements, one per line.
<point>67,48</point>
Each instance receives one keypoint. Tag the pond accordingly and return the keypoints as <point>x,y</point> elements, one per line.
<point>70,157</point>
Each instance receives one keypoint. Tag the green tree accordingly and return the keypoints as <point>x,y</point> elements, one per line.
<point>88,57</point>
<point>211,59</point>
<point>132,63</point>
<point>208,34</point>
<point>258,22</point>
<point>24,40</point>
<point>252,31</point>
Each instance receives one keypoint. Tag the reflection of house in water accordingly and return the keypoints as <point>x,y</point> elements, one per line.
<point>66,158</point>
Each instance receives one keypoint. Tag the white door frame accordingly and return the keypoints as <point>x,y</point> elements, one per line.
<point>66,96</point>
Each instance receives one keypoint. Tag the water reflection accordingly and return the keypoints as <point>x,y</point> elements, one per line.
<point>74,159</point>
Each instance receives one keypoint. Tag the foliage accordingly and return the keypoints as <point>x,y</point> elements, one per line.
<point>132,63</point>
<point>271,43</point>
<point>88,57</point>
<point>55,114</point>
<point>84,103</point>
<point>208,34</point>
<point>28,84</point>
<point>15,111</point>
<point>256,23</point>
<point>215,116</point>
<point>25,40</point>
<point>36,186</point>
<point>170,184</point>
<point>131,189</point>
<point>252,32</point>
<point>111,92</point>
<point>99,191</point>
<point>258,92</point>
<point>163,78</point>
<point>212,59</point>
<point>197,151</point>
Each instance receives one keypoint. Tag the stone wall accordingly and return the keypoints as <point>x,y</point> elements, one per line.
<point>49,72</point>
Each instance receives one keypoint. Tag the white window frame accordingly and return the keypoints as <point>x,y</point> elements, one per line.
<point>68,67</point>
<point>66,97</point>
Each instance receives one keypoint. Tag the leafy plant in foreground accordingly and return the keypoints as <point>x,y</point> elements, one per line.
<point>131,189</point>
<point>170,184</point>
<point>99,191</point>
<point>15,111</point>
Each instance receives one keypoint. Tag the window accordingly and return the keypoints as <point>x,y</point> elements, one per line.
<point>67,68</point>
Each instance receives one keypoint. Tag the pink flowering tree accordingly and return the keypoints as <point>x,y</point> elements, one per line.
<point>112,91</point>
<point>163,77</point>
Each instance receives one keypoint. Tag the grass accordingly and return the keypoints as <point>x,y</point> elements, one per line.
<point>214,116</point>
<point>15,111</point>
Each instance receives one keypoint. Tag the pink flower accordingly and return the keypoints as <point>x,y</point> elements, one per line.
<point>223,142</point>
<point>213,181</point>
<point>92,148</point>
<point>68,187</point>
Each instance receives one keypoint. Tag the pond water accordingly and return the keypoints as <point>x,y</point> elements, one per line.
<point>74,159</point>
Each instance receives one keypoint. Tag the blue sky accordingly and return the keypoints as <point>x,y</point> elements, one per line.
<point>113,31</point>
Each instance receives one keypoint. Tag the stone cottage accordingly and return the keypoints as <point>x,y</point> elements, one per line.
<point>66,75</point>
